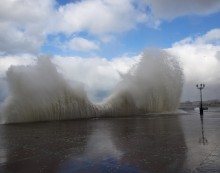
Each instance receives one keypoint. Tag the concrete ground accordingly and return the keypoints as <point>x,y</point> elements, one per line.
<point>167,143</point>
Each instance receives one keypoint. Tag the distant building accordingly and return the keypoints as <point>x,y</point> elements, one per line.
<point>212,102</point>
<point>186,106</point>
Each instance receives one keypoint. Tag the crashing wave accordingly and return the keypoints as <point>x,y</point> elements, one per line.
<point>40,93</point>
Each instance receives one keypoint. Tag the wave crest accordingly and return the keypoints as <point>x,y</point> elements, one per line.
<point>40,93</point>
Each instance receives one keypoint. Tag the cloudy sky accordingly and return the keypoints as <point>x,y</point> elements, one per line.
<point>95,41</point>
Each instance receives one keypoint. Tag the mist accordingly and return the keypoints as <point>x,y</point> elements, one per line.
<point>153,85</point>
<point>38,92</point>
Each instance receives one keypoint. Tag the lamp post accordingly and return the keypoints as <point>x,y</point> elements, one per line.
<point>200,87</point>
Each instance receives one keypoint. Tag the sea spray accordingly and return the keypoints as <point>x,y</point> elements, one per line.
<point>153,85</point>
<point>40,93</point>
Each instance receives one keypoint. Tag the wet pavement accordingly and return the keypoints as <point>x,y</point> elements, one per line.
<point>168,143</point>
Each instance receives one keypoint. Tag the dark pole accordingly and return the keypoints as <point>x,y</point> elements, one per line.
<point>200,87</point>
<point>203,140</point>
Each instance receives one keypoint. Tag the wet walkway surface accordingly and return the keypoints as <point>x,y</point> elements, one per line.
<point>146,144</point>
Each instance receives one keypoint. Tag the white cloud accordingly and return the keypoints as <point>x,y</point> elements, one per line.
<point>14,40</point>
<point>124,63</point>
<point>169,9</point>
<point>99,75</point>
<point>8,60</point>
<point>100,17</point>
<point>200,59</point>
<point>82,44</point>
<point>24,11</point>
<point>211,37</point>
<point>23,24</point>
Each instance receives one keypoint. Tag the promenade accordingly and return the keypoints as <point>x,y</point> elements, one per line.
<point>161,143</point>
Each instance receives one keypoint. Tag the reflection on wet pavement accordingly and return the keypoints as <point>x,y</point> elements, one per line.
<point>152,143</point>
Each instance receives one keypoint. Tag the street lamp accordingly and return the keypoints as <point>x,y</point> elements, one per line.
<point>200,87</point>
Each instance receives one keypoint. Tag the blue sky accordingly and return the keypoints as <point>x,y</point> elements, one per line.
<point>104,28</point>
<point>135,40</point>
<point>83,37</point>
